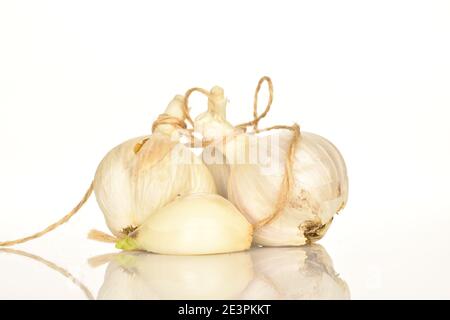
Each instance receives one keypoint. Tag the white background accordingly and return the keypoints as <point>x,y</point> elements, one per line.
<point>79,77</point>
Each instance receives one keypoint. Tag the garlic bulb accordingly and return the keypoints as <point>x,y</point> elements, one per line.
<point>320,187</point>
<point>253,175</point>
<point>140,275</point>
<point>144,174</point>
<point>192,224</point>
<point>294,273</point>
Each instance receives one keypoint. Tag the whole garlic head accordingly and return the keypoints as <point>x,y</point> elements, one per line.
<point>131,184</point>
<point>320,187</point>
<point>254,185</point>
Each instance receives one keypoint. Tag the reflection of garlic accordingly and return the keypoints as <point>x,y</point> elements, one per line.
<point>294,273</point>
<point>320,185</point>
<point>193,224</point>
<point>263,273</point>
<point>150,276</point>
<point>135,179</point>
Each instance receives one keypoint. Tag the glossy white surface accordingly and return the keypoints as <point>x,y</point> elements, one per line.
<point>77,78</point>
<point>399,270</point>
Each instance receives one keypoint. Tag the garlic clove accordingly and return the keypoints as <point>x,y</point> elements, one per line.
<point>194,224</point>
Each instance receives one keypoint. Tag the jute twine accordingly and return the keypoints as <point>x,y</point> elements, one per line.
<point>54,225</point>
<point>286,184</point>
<point>52,266</point>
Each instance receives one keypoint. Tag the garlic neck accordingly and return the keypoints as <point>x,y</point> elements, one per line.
<point>217,103</point>
<point>174,109</point>
<point>213,124</point>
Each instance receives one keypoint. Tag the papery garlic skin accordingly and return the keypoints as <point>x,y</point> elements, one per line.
<point>216,162</point>
<point>320,187</point>
<point>130,186</point>
<point>303,273</point>
<point>194,224</point>
<point>140,275</point>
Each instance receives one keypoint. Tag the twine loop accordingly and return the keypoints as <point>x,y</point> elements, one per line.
<point>256,117</point>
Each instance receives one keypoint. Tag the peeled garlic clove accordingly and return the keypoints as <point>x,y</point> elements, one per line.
<point>140,275</point>
<point>192,225</point>
<point>294,273</point>
<point>320,187</point>
<point>143,174</point>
